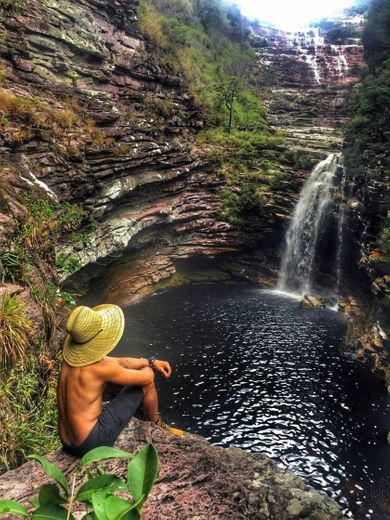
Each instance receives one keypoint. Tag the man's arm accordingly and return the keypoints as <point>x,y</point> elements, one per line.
<point>115,373</point>
<point>139,363</point>
<point>132,363</point>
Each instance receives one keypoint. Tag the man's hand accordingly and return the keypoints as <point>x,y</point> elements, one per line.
<point>163,367</point>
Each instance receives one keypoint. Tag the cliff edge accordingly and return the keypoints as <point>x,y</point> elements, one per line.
<point>196,481</point>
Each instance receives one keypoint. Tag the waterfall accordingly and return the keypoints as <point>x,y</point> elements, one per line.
<point>297,269</point>
<point>340,235</point>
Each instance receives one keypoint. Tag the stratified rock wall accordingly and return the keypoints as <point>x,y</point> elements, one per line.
<point>132,161</point>
<point>138,174</point>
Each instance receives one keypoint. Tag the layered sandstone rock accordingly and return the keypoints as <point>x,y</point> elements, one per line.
<point>309,82</point>
<point>137,169</point>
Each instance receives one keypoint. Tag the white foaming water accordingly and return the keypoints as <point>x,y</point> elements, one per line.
<point>298,266</point>
<point>340,235</point>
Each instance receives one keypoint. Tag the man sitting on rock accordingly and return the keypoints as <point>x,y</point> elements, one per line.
<point>84,423</point>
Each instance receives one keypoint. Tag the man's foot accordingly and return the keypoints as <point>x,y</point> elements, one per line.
<point>175,431</point>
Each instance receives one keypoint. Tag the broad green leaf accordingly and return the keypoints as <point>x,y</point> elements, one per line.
<point>34,501</point>
<point>53,471</point>
<point>51,512</point>
<point>104,452</point>
<point>10,506</point>
<point>98,499</point>
<point>89,516</point>
<point>142,472</point>
<point>104,482</point>
<point>117,508</point>
<point>50,494</point>
<point>134,514</point>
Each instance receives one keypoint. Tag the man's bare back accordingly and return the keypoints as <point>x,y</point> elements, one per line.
<point>80,391</point>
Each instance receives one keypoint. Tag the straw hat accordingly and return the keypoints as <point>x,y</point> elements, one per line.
<point>92,333</point>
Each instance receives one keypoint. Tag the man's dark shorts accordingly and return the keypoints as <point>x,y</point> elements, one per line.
<point>114,417</point>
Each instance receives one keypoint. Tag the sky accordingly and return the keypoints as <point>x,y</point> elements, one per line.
<point>290,14</point>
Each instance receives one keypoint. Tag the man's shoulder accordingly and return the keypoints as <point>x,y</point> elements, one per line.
<point>107,364</point>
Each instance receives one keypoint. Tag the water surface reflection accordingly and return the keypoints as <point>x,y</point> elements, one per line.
<point>253,370</point>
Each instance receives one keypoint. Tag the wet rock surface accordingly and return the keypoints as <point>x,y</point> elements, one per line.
<point>309,83</point>
<point>312,301</point>
<point>196,481</point>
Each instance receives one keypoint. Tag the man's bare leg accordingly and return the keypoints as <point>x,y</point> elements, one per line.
<point>150,408</point>
<point>150,402</point>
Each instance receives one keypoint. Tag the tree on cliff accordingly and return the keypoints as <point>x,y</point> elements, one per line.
<point>229,89</point>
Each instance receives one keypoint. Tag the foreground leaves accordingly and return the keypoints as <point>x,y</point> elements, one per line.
<point>142,472</point>
<point>97,492</point>
<point>53,471</point>
<point>51,512</point>
<point>105,482</point>
<point>10,506</point>
<point>104,452</point>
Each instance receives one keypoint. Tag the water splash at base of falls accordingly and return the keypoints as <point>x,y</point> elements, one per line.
<point>298,264</point>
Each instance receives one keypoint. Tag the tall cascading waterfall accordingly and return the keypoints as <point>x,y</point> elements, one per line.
<point>297,268</point>
<point>340,233</point>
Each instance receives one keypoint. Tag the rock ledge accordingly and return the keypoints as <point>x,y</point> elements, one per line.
<point>197,481</point>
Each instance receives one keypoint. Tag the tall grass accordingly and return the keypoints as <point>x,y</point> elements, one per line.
<point>28,412</point>
<point>14,330</point>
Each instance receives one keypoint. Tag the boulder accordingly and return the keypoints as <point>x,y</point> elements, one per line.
<point>311,301</point>
<point>351,308</point>
<point>196,481</point>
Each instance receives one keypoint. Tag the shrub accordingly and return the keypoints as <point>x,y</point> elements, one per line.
<point>11,6</point>
<point>97,493</point>
<point>240,201</point>
<point>28,414</point>
<point>384,237</point>
<point>67,264</point>
<point>149,23</point>
<point>14,330</point>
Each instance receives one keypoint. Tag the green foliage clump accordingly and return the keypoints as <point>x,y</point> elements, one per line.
<point>28,414</point>
<point>243,144</point>
<point>67,263</point>
<point>376,35</point>
<point>244,168</point>
<point>384,237</point>
<point>14,330</point>
<point>371,118</point>
<point>240,202</point>
<point>207,42</point>
<point>98,492</point>
<point>46,223</point>
<point>11,6</point>
<point>367,131</point>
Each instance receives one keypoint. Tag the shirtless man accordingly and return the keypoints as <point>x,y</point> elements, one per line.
<point>84,423</point>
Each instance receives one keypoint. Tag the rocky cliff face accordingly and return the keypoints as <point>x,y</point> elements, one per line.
<point>126,149</point>
<point>129,159</point>
<point>309,84</point>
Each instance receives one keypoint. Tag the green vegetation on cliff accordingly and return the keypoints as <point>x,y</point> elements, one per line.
<point>367,135</point>
<point>206,41</point>
<point>28,364</point>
